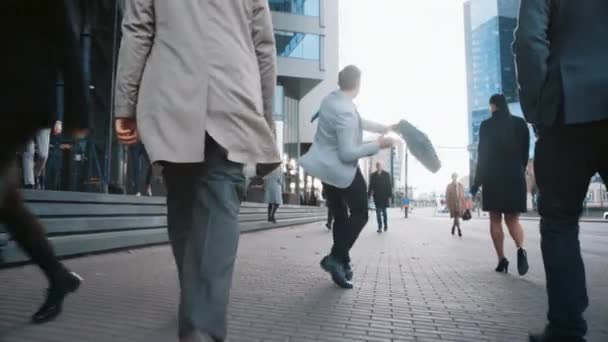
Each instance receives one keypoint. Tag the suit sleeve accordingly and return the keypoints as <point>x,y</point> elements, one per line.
<point>482,155</point>
<point>265,49</point>
<point>532,48</point>
<point>347,130</point>
<point>137,39</point>
<point>374,127</point>
<point>372,183</point>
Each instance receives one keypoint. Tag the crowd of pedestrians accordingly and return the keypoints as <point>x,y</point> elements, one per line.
<point>198,94</point>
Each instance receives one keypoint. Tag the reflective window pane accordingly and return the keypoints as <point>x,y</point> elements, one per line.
<point>298,45</point>
<point>300,7</point>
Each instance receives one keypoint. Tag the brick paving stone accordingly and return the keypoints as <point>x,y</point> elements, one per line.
<point>415,283</point>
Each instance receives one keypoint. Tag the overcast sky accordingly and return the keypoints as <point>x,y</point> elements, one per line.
<point>413,61</point>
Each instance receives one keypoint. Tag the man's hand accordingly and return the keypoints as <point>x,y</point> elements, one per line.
<point>58,128</point>
<point>385,142</point>
<point>126,131</point>
<point>394,128</point>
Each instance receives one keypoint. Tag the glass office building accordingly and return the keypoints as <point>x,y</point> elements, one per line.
<point>489,28</point>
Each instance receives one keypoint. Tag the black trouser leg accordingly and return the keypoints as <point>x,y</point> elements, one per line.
<point>379,217</point>
<point>270,208</point>
<point>577,152</point>
<point>385,217</point>
<point>275,207</point>
<point>347,227</point>
<point>25,228</point>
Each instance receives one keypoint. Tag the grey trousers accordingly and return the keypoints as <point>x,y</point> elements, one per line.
<point>203,203</point>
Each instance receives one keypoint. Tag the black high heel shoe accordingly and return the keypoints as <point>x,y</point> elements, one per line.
<point>503,266</point>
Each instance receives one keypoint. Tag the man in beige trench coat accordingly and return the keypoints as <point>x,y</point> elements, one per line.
<point>195,83</point>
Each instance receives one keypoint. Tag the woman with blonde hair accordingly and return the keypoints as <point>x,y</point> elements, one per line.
<point>454,197</point>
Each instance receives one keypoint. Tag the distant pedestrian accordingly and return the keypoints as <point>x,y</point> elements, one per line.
<point>406,205</point>
<point>455,202</point>
<point>561,51</point>
<point>33,171</point>
<point>273,193</point>
<point>381,189</point>
<point>504,143</point>
<point>196,81</point>
<point>330,215</point>
<point>338,145</point>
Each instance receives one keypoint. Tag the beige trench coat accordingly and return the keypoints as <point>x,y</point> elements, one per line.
<point>454,198</point>
<point>190,67</point>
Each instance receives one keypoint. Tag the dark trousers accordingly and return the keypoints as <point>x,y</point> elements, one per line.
<point>203,202</point>
<point>272,210</point>
<point>382,216</point>
<point>330,216</point>
<point>23,226</point>
<point>565,160</point>
<point>348,226</point>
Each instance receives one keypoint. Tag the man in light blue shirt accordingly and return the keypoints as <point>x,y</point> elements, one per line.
<point>334,158</point>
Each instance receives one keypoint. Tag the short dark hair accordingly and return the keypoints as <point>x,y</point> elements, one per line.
<point>349,78</point>
<point>500,101</point>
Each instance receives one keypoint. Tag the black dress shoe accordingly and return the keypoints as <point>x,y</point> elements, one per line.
<point>331,265</point>
<point>55,295</point>
<point>348,272</point>
<point>522,262</point>
<point>548,338</point>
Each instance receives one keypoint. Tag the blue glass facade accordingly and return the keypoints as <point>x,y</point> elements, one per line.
<point>491,68</point>
<point>299,7</point>
<point>298,45</point>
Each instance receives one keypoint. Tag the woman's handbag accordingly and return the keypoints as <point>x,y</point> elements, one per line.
<point>467,215</point>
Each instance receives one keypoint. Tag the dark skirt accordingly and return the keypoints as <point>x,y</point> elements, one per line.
<point>507,196</point>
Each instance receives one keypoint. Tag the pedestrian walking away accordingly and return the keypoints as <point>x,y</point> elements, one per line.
<point>333,157</point>
<point>39,29</point>
<point>273,193</point>
<point>177,92</point>
<point>561,52</point>
<point>454,197</point>
<point>504,144</point>
<point>33,168</point>
<point>381,190</point>
<point>406,206</point>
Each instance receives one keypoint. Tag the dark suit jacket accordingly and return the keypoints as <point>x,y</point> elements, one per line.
<point>381,188</point>
<point>561,51</point>
<point>42,40</point>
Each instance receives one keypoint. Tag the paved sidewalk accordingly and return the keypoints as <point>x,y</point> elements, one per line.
<point>414,283</point>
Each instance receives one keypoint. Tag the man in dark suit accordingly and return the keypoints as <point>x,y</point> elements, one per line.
<point>38,45</point>
<point>381,189</point>
<point>561,52</point>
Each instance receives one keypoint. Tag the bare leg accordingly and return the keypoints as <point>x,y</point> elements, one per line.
<point>515,229</point>
<point>498,235</point>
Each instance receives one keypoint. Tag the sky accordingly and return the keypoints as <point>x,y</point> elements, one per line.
<point>412,56</point>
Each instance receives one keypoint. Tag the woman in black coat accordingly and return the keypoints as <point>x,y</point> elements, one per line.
<point>504,143</point>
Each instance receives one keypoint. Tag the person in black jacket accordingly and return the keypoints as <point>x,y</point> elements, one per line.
<point>560,53</point>
<point>40,44</point>
<point>381,189</point>
<point>504,144</point>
